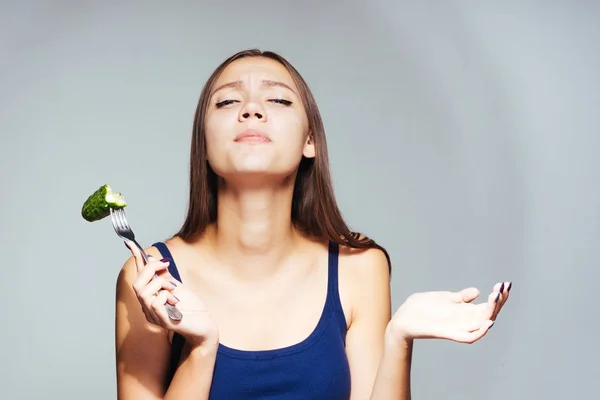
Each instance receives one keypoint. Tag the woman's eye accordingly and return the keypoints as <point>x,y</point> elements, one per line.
<point>224,103</point>
<point>229,102</point>
<point>281,101</point>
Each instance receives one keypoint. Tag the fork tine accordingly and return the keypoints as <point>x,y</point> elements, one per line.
<point>123,218</point>
<point>115,223</point>
<point>128,232</point>
<point>124,222</point>
<point>120,229</point>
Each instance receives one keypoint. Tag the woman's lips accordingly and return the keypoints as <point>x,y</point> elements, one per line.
<point>252,136</point>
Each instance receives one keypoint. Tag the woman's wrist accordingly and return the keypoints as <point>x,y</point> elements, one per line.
<point>204,345</point>
<point>396,339</point>
<point>204,350</point>
<point>208,341</point>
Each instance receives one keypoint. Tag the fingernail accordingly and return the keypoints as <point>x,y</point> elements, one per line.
<point>501,288</point>
<point>176,298</point>
<point>492,325</point>
<point>497,297</point>
<point>509,287</point>
<point>173,283</point>
<point>165,260</point>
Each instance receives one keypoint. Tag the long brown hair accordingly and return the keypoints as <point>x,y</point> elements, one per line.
<point>314,208</point>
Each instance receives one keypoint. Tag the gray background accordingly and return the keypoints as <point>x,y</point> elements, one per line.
<point>463,137</point>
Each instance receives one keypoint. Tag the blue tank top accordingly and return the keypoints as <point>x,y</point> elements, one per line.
<point>315,368</point>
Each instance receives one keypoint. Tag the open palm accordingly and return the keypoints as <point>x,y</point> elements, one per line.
<point>449,315</point>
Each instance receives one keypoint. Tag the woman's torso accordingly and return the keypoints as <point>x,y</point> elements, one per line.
<point>283,339</point>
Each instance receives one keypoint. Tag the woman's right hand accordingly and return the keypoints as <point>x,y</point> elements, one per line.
<point>196,326</point>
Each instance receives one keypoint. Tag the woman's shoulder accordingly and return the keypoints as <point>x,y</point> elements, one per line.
<point>368,257</point>
<point>173,244</point>
<point>364,280</point>
<point>367,263</point>
<point>363,272</point>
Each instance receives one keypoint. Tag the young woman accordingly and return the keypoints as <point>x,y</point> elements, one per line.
<point>280,300</point>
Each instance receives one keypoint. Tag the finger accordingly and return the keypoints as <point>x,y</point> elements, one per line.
<point>154,286</point>
<point>158,307</point>
<point>494,302</point>
<point>469,294</point>
<point>499,287</point>
<point>147,274</point>
<point>172,298</point>
<point>465,296</point>
<point>165,274</point>
<point>506,292</point>
<point>150,257</point>
<point>137,255</point>
<point>502,289</point>
<point>505,288</point>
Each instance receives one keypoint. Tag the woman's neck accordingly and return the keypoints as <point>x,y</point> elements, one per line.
<point>254,232</point>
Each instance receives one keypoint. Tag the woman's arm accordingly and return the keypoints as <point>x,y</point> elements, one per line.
<point>376,339</point>
<point>393,374</point>
<point>143,352</point>
<point>194,376</point>
<point>379,366</point>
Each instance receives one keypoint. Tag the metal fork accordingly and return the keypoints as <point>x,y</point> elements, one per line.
<point>125,232</point>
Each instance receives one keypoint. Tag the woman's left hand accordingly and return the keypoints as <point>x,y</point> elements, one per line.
<point>448,315</point>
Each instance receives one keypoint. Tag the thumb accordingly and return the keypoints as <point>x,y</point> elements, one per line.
<point>466,295</point>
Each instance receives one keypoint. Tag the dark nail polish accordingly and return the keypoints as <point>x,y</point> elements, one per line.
<point>501,288</point>
<point>173,283</point>
<point>509,287</point>
<point>492,325</point>
<point>497,297</point>
<point>166,259</point>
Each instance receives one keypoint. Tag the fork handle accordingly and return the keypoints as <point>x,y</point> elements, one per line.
<point>144,255</point>
<point>172,311</point>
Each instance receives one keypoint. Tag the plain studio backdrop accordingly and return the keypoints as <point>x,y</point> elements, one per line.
<point>463,137</point>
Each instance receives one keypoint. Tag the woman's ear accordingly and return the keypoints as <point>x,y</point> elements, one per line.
<point>309,146</point>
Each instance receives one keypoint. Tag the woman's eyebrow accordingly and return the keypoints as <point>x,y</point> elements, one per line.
<point>264,82</point>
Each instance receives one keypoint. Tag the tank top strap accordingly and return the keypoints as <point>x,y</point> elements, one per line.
<point>178,340</point>
<point>333,294</point>
<point>332,280</point>
<point>164,251</point>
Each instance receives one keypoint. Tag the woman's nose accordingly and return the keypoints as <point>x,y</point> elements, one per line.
<point>252,110</point>
<point>246,115</point>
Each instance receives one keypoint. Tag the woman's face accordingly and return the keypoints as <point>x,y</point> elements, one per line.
<point>255,123</point>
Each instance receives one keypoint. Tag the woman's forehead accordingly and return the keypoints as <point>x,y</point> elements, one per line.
<point>268,71</point>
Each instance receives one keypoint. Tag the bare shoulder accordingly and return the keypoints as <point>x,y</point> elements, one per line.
<point>364,282</point>
<point>177,246</point>
<point>360,264</point>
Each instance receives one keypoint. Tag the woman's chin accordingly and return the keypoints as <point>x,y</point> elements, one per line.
<point>258,177</point>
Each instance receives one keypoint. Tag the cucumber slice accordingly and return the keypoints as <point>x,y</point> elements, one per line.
<point>99,203</point>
